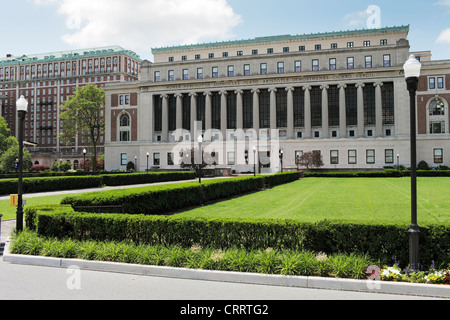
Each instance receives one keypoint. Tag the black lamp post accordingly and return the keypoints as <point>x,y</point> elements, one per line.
<point>254,161</point>
<point>148,155</point>
<point>412,73</point>
<point>281,154</point>
<point>84,159</point>
<point>22,109</point>
<point>200,141</point>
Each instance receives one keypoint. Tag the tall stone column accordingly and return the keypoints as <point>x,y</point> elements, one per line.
<point>325,123</point>
<point>223,113</point>
<point>290,112</point>
<point>179,118</point>
<point>378,109</point>
<point>342,112</point>
<point>256,110</point>
<point>165,118</point>
<point>239,114</point>
<point>308,129</point>
<point>360,130</point>
<point>273,108</point>
<point>208,116</point>
<point>194,116</point>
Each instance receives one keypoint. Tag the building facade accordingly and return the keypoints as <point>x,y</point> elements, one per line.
<point>47,81</point>
<point>266,101</point>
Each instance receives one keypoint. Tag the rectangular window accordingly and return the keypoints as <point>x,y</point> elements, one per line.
<point>286,49</point>
<point>215,72</point>
<point>157,76</point>
<point>368,61</point>
<point>370,156</point>
<point>387,60</point>
<point>350,44</point>
<point>231,71</point>
<point>170,159</point>
<point>156,159</point>
<point>224,54</point>
<point>200,73</point>
<point>366,43</point>
<point>383,42</point>
<point>334,157</point>
<point>437,127</point>
<point>254,52</point>
<point>270,50</point>
<point>301,48</point>
<point>197,57</point>
<point>240,53</point>
<point>389,156</point>
<point>246,69</point>
<point>280,68</point>
<point>440,82</point>
<point>333,64</point>
<point>438,155</point>
<point>185,74</point>
<point>351,156</point>
<point>211,55</point>
<point>171,75</point>
<point>432,83</point>
<point>230,158</point>
<point>318,47</point>
<point>298,66</point>
<point>263,68</point>
<point>350,63</point>
<point>315,65</point>
<point>334,46</point>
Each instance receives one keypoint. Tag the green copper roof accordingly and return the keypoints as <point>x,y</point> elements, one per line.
<point>64,55</point>
<point>284,38</point>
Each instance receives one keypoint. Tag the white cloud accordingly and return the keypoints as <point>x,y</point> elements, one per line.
<point>142,24</point>
<point>356,19</point>
<point>444,37</point>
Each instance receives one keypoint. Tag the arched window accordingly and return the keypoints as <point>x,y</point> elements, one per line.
<point>125,121</point>
<point>437,108</point>
<point>436,116</point>
<point>125,128</point>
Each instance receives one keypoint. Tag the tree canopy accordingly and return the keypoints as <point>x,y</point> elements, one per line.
<point>82,116</point>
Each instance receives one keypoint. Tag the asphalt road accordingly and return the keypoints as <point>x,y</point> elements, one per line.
<point>47,283</point>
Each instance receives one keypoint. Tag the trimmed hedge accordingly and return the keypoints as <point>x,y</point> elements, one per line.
<point>32,185</point>
<point>378,241</point>
<point>164,199</point>
<point>387,173</point>
<point>43,184</point>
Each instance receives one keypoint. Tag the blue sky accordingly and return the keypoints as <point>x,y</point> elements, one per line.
<point>139,25</point>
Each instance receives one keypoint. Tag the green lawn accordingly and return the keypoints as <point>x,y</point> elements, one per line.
<point>10,212</point>
<point>358,200</point>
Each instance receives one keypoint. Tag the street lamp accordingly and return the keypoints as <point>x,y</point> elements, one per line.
<point>84,159</point>
<point>22,109</point>
<point>200,141</point>
<point>148,155</point>
<point>412,73</point>
<point>281,154</point>
<point>135,163</point>
<point>398,162</point>
<point>254,161</point>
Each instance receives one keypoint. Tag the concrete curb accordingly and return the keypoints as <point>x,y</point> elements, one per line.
<point>381,287</point>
